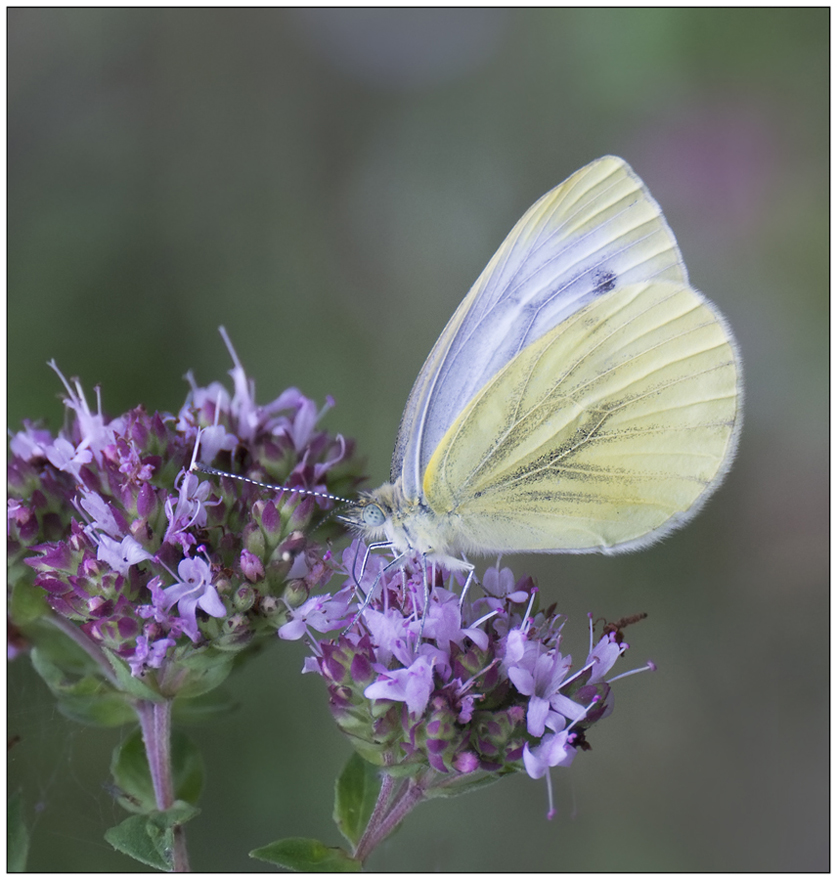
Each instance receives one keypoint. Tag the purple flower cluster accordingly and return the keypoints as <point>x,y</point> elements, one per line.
<point>427,677</point>
<point>109,526</point>
<point>442,680</point>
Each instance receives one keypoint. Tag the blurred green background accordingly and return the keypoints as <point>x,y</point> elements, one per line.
<point>328,184</point>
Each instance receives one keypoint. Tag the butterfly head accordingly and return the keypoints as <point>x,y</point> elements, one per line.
<point>384,514</point>
<point>371,516</point>
<point>408,526</point>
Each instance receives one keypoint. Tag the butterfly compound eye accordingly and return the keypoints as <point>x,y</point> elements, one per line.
<point>373,516</point>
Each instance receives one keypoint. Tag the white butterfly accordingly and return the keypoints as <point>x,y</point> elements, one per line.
<point>583,397</point>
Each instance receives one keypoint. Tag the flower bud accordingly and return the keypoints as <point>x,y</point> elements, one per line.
<point>253,539</point>
<point>439,736</point>
<point>267,516</point>
<point>295,593</point>
<point>243,599</point>
<point>251,566</point>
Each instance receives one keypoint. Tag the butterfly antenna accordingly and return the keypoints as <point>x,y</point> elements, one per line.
<point>205,469</point>
<point>195,465</point>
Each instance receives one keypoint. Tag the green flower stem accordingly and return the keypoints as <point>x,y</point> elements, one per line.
<point>389,812</point>
<point>87,645</point>
<point>155,721</point>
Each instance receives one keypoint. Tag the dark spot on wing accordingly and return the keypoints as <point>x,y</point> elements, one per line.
<point>605,281</point>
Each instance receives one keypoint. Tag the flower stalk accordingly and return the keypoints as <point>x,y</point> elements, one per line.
<point>155,723</point>
<point>393,805</point>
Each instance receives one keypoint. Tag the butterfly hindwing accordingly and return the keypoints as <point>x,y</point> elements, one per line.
<point>600,435</point>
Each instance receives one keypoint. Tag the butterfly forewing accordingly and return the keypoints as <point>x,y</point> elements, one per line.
<point>603,434</point>
<point>597,231</point>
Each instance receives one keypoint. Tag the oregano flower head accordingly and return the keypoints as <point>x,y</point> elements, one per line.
<point>447,683</point>
<point>110,533</point>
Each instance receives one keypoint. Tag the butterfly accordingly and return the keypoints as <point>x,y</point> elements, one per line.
<point>584,397</point>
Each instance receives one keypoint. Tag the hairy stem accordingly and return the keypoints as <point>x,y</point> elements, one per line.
<point>363,849</point>
<point>155,721</point>
<point>389,812</point>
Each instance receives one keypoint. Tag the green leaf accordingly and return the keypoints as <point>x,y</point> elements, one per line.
<point>131,773</point>
<point>134,838</point>
<point>88,699</point>
<point>199,659</point>
<point>150,838</point>
<point>18,836</point>
<point>204,680</point>
<point>355,794</point>
<point>194,710</point>
<point>27,603</point>
<point>187,764</point>
<point>179,813</point>
<point>467,784</point>
<point>109,709</point>
<point>59,679</point>
<point>302,854</point>
<point>59,650</point>
<point>52,675</point>
<point>208,668</point>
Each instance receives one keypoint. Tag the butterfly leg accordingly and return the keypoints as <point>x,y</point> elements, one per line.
<point>472,578</point>
<point>368,597</point>
<point>376,546</point>
<point>426,592</point>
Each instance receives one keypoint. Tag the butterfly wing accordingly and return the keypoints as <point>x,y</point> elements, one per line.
<point>603,434</point>
<point>598,230</point>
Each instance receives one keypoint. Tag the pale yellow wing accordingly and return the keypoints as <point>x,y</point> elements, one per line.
<point>598,230</point>
<point>602,435</point>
